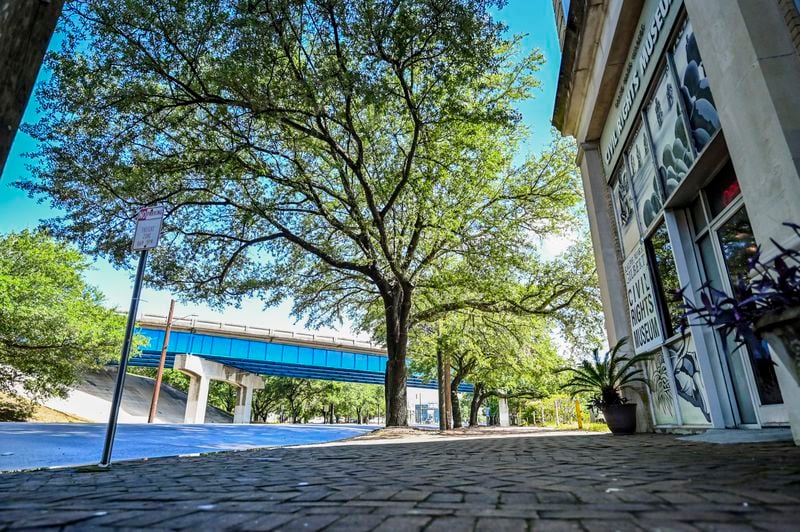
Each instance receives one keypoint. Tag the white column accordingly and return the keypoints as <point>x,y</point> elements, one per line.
<point>238,410</point>
<point>244,404</point>
<point>197,399</point>
<point>608,258</point>
<point>504,420</point>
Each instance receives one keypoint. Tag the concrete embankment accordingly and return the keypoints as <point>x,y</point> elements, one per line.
<point>91,400</point>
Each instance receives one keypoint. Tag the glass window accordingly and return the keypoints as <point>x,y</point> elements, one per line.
<point>643,179</point>
<point>695,91</point>
<point>738,245</point>
<point>623,207</point>
<point>673,154</point>
<point>660,251</point>
<point>723,189</point>
<point>737,373</point>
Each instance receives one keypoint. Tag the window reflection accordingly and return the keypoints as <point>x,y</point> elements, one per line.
<point>723,189</point>
<point>738,245</point>
<point>667,282</point>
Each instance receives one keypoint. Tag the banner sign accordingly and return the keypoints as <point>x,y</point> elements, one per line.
<point>645,323</point>
<point>647,47</point>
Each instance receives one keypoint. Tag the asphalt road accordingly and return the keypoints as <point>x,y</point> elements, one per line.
<point>36,445</point>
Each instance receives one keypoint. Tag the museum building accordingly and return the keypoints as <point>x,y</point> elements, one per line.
<point>687,119</point>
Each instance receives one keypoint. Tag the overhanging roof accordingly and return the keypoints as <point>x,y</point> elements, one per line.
<point>592,45</point>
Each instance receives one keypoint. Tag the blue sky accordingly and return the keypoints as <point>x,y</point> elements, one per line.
<point>532,17</point>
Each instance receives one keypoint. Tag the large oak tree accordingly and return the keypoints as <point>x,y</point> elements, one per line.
<point>336,152</point>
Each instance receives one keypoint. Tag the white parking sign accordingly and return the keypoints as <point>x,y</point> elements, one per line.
<point>148,228</point>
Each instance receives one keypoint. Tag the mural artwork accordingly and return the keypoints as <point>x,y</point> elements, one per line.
<point>673,153</point>
<point>661,390</point>
<point>689,383</point>
<point>694,87</point>
<point>623,205</point>
<point>643,177</point>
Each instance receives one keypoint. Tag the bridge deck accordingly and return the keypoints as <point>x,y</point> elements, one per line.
<point>305,357</point>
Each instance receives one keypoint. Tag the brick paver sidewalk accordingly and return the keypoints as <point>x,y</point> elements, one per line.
<point>546,482</point>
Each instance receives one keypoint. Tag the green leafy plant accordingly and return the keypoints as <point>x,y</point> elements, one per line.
<point>604,377</point>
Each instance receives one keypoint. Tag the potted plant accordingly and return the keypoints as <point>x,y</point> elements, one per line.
<point>604,378</point>
<point>765,306</point>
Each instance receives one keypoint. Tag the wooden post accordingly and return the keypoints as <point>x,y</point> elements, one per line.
<point>160,373</point>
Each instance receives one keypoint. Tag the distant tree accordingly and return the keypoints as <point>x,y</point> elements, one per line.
<point>338,153</point>
<point>351,400</point>
<point>305,399</point>
<point>267,400</point>
<point>501,355</point>
<point>53,325</point>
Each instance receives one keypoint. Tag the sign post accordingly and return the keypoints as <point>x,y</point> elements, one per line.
<point>161,363</point>
<point>148,230</point>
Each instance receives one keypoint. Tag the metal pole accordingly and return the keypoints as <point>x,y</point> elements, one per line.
<point>161,363</point>
<point>123,363</point>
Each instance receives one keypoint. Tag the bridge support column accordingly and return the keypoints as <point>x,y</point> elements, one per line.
<point>504,420</point>
<point>197,399</point>
<point>244,404</point>
<point>201,372</point>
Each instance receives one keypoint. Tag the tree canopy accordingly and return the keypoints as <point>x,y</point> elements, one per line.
<point>52,324</point>
<point>358,156</point>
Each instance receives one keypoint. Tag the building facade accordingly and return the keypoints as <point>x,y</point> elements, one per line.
<point>687,117</point>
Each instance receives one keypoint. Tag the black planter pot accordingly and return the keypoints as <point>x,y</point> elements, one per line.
<point>621,419</point>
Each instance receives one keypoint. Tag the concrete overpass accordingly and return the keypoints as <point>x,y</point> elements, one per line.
<point>267,351</point>
<point>259,351</point>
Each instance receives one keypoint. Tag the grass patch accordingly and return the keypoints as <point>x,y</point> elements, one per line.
<point>43,414</point>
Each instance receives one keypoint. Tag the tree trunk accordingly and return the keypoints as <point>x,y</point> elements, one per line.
<point>475,406</point>
<point>25,35</point>
<point>397,307</point>
<point>358,415</point>
<point>454,401</point>
<point>448,403</point>
<point>440,387</point>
